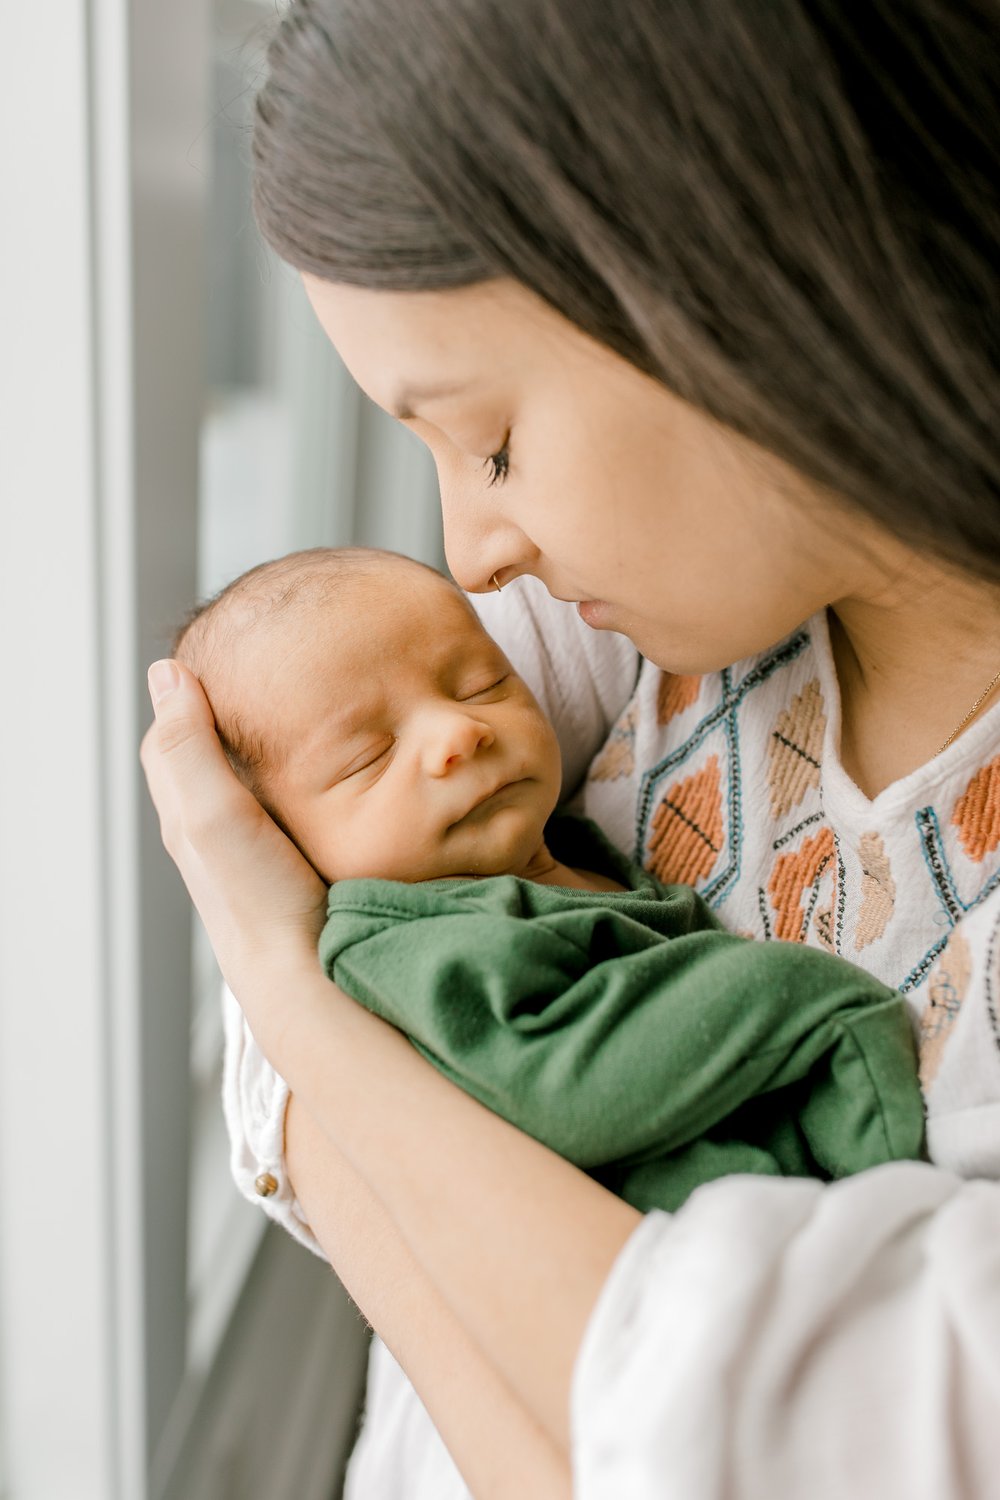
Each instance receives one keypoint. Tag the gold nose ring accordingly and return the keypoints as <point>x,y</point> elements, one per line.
<point>493,580</point>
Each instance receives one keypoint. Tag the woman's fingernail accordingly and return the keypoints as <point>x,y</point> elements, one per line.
<point>162,677</point>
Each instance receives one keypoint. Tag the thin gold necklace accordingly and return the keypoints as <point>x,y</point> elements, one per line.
<point>972,711</point>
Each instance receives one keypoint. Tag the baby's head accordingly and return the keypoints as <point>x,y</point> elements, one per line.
<point>361,701</point>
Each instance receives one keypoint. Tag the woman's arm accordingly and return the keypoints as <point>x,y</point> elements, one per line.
<point>514,1239</point>
<point>779,1338</point>
<point>500,1450</point>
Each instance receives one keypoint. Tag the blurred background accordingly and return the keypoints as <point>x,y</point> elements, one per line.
<point>171,415</point>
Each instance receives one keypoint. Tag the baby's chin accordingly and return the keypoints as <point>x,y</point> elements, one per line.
<point>505,845</point>
<point>487,862</point>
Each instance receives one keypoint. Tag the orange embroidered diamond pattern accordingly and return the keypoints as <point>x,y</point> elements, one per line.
<point>796,748</point>
<point>675,695</point>
<point>977,813</point>
<point>686,831</point>
<point>793,875</point>
<point>878,891</point>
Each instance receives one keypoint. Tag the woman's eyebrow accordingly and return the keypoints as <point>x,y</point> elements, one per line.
<point>401,405</point>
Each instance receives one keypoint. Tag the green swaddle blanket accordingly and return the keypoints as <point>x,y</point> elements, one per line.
<point>628,1031</point>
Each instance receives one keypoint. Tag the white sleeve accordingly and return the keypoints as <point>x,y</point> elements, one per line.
<point>582,678</point>
<point>254,1100</point>
<point>777,1339</point>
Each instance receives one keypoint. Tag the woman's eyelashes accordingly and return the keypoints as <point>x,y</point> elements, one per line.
<point>498,463</point>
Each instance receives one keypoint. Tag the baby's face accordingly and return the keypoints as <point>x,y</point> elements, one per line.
<point>413,750</point>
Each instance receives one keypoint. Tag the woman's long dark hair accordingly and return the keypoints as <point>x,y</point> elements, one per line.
<point>785,210</point>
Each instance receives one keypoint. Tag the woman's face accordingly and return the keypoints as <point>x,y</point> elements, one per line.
<point>558,458</point>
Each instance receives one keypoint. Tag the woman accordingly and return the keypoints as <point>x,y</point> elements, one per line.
<point>694,305</point>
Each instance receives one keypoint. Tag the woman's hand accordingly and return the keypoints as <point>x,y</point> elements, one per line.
<point>262,904</point>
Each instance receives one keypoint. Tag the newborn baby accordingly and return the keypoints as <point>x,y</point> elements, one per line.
<point>359,698</point>
<point>361,701</point>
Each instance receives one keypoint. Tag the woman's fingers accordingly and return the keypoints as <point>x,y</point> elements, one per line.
<point>254,891</point>
<point>192,784</point>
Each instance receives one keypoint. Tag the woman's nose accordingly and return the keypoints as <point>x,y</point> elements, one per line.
<point>451,739</point>
<point>478,543</point>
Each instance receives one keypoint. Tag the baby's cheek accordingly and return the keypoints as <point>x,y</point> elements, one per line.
<point>389,845</point>
<point>548,756</point>
<point>343,850</point>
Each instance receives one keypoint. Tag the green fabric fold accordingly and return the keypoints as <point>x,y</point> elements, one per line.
<point>628,1031</point>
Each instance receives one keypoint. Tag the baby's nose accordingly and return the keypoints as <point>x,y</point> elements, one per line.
<point>453,738</point>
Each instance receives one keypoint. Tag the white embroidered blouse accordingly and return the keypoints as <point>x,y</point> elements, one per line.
<point>774,1338</point>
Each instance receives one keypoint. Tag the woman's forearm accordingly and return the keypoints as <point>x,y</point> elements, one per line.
<point>502,1452</point>
<point>513,1237</point>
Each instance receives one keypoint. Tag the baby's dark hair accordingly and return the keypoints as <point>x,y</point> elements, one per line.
<point>226,622</point>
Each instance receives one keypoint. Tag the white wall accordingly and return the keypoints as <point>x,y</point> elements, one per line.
<point>124,1375</point>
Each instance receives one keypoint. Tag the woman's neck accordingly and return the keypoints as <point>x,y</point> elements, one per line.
<point>911,659</point>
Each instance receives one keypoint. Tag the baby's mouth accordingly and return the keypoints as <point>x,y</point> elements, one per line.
<point>488,797</point>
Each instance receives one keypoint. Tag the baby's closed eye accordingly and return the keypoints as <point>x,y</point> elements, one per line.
<point>481,692</point>
<point>367,759</point>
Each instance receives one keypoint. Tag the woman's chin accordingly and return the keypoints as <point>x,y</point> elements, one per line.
<point>679,657</point>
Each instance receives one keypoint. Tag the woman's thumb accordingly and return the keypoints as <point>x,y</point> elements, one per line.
<point>163,678</point>
<point>185,765</point>
<point>183,713</point>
